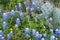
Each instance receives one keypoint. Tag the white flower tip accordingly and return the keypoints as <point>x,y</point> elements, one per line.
<point>0,30</point>
<point>4,22</point>
<point>53,36</point>
<point>11,31</point>
<point>42,39</point>
<point>50,18</point>
<point>37,32</point>
<point>16,25</point>
<point>27,28</point>
<point>4,13</point>
<point>57,29</point>
<point>56,38</point>
<point>17,18</point>
<point>32,9</point>
<point>51,29</point>
<point>12,10</point>
<point>33,2</point>
<point>2,37</point>
<point>19,3</point>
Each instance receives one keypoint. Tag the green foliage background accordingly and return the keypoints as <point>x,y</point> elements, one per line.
<point>25,23</point>
<point>9,4</point>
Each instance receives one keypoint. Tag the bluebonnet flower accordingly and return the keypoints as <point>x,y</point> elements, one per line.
<point>4,25</point>
<point>8,37</point>
<point>15,7</point>
<point>45,36</point>
<point>33,4</point>
<point>52,37</point>
<point>51,31</point>
<point>34,32</point>
<point>57,32</point>
<point>27,9</point>
<point>27,32</point>
<point>31,9</point>
<point>21,15</point>
<point>42,38</point>
<point>56,38</point>
<point>5,17</point>
<point>0,11</point>
<point>19,7</point>
<point>2,38</point>
<point>12,12</point>
<point>11,33</point>
<point>38,36</point>
<point>18,21</point>
<point>50,20</point>
<point>1,33</point>
<point>16,25</point>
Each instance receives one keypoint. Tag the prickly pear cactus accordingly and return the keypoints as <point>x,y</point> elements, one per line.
<point>47,9</point>
<point>56,17</point>
<point>38,4</point>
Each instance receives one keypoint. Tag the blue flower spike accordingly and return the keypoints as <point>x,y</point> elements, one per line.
<point>12,13</point>
<point>52,37</point>
<point>42,38</point>
<point>18,21</point>
<point>33,32</point>
<point>38,36</point>
<point>57,32</point>
<point>19,7</point>
<point>50,19</point>
<point>27,9</point>
<point>4,26</point>
<point>31,9</point>
<point>45,36</point>
<point>33,4</point>
<point>1,33</point>
<point>21,15</point>
<point>27,32</point>
<point>51,31</point>
<point>11,33</point>
<point>2,38</point>
<point>5,17</point>
<point>15,7</point>
<point>0,11</point>
<point>8,37</point>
